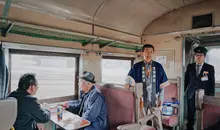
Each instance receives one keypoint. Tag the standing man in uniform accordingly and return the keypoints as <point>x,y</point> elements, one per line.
<point>199,75</point>
<point>151,74</point>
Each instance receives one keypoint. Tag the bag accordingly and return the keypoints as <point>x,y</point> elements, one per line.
<point>169,107</point>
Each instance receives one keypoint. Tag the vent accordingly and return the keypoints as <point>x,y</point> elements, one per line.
<point>202,21</point>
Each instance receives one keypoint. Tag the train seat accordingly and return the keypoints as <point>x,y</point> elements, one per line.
<point>169,92</point>
<point>121,108</point>
<point>120,105</point>
<point>8,112</point>
<point>211,114</point>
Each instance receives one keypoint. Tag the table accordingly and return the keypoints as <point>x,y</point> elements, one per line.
<point>69,121</point>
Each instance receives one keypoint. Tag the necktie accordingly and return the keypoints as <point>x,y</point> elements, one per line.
<point>197,70</point>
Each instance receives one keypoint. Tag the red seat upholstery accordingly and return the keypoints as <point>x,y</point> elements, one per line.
<point>169,92</point>
<point>120,105</point>
<point>170,120</point>
<point>211,114</point>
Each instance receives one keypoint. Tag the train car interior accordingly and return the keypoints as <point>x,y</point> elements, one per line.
<point>60,41</point>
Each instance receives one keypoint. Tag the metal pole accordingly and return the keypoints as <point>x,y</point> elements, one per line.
<point>6,10</point>
<point>182,123</point>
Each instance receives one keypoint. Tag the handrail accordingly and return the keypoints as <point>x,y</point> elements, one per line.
<point>211,100</point>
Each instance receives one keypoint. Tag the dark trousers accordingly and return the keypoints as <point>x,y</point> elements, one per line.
<point>191,108</point>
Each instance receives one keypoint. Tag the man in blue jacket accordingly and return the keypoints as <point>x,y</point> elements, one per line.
<point>151,74</point>
<point>29,111</point>
<point>91,105</point>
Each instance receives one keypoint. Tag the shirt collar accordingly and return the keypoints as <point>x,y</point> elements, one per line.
<point>148,62</point>
<point>91,89</point>
<point>200,64</point>
<point>24,92</point>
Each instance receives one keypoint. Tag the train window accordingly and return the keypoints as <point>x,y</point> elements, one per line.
<point>115,70</point>
<point>213,57</point>
<point>55,74</point>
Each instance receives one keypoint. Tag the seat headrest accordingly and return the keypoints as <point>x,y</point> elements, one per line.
<point>8,111</point>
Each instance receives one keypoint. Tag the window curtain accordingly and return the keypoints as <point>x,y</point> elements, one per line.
<point>4,74</point>
<point>190,46</point>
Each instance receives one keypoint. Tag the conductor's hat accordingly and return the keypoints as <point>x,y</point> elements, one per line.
<point>200,49</point>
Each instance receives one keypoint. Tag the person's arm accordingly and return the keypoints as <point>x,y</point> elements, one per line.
<point>95,105</point>
<point>38,114</point>
<point>129,81</point>
<point>74,107</point>
<point>211,86</point>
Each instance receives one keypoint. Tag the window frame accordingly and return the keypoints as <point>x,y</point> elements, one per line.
<point>217,84</point>
<point>44,53</point>
<point>117,58</point>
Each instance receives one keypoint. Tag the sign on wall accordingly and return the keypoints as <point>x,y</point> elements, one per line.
<point>166,58</point>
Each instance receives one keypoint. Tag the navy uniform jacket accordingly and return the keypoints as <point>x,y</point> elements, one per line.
<point>94,109</point>
<point>161,77</point>
<point>192,82</point>
<point>29,111</point>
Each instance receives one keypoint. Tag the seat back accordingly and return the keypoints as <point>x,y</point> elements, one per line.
<point>170,91</point>
<point>211,114</point>
<point>8,112</point>
<point>120,104</point>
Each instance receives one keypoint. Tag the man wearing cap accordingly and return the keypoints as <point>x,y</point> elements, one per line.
<point>91,105</point>
<point>151,74</point>
<point>199,75</point>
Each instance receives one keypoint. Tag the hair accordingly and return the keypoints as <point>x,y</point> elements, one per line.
<point>147,46</point>
<point>84,72</point>
<point>27,80</point>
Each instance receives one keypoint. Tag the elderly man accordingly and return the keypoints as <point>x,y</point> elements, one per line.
<point>91,105</point>
<point>29,110</point>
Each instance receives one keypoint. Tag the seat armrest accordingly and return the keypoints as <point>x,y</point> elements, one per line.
<point>175,105</point>
<point>126,125</point>
<point>145,119</point>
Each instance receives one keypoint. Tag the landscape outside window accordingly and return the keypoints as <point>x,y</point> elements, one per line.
<point>55,74</point>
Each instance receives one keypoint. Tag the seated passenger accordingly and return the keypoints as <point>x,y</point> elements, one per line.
<point>91,105</point>
<point>29,111</point>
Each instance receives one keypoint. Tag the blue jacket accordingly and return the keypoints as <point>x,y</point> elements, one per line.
<point>29,111</point>
<point>94,109</point>
<point>161,77</point>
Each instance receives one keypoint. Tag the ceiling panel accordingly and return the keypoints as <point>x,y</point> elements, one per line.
<point>171,4</point>
<point>70,9</point>
<point>174,4</point>
<point>131,16</point>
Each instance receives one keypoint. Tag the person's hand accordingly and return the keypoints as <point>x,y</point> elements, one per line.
<point>66,104</point>
<point>127,86</point>
<point>159,103</point>
<point>41,126</point>
<point>45,106</point>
